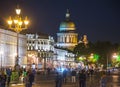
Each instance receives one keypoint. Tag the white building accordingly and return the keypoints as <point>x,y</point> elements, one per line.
<point>40,49</point>
<point>8,47</point>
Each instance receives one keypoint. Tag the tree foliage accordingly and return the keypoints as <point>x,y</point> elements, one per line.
<point>103,48</point>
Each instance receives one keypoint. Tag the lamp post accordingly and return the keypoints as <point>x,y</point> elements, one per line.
<point>16,24</point>
<point>115,57</point>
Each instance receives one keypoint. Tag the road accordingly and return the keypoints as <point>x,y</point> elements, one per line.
<point>42,80</point>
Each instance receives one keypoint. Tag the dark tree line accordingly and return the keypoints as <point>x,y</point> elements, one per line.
<point>103,48</point>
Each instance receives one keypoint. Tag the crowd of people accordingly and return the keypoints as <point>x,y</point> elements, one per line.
<point>61,78</point>
<point>27,77</point>
<point>78,76</point>
<point>24,76</point>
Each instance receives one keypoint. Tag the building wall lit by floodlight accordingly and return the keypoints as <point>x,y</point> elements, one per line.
<point>8,42</point>
<point>40,48</point>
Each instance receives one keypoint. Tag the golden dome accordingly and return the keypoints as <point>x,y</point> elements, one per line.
<point>67,25</point>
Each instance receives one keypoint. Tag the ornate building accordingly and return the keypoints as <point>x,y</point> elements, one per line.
<point>40,49</point>
<point>43,50</point>
<point>8,48</point>
<point>67,37</point>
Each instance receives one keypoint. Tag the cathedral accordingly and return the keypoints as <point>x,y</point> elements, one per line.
<point>44,52</point>
<point>67,37</point>
<point>40,49</point>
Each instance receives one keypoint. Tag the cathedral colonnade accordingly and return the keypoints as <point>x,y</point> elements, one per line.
<point>67,38</point>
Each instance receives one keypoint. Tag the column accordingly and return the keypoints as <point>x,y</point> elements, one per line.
<point>67,39</point>
<point>63,38</point>
<point>58,39</point>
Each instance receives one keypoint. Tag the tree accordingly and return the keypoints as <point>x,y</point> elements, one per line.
<point>102,48</point>
<point>83,50</point>
<point>105,49</point>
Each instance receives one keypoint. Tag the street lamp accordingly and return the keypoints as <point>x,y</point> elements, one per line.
<point>107,62</point>
<point>115,55</point>
<point>116,59</point>
<point>18,24</point>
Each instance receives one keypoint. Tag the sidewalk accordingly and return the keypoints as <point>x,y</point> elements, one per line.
<point>22,85</point>
<point>46,85</point>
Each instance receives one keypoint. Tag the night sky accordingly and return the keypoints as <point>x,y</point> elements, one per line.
<point>98,19</point>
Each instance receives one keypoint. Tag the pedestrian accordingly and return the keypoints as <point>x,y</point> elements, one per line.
<point>73,75</point>
<point>3,79</point>
<point>8,73</point>
<point>108,71</point>
<point>31,78</point>
<point>58,80</point>
<point>82,78</point>
<point>91,71</point>
<point>64,75</point>
<point>48,71</point>
<point>103,80</point>
<point>33,74</point>
<point>0,78</point>
<point>26,80</point>
<point>24,74</point>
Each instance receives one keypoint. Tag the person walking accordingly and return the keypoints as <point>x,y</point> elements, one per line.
<point>31,78</point>
<point>8,73</point>
<point>103,80</point>
<point>82,79</point>
<point>58,80</point>
<point>26,80</point>
<point>3,79</point>
<point>0,78</point>
<point>73,75</point>
<point>64,75</point>
<point>24,74</point>
<point>48,71</point>
<point>33,74</point>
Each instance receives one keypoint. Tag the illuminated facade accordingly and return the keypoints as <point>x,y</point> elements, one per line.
<point>63,57</point>
<point>40,49</point>
<point>67,37</point>
<point>8,45</point>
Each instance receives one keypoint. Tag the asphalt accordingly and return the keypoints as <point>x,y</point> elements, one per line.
<point>113,80</point>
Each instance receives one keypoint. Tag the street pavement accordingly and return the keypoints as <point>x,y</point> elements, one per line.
<point>41,80</point>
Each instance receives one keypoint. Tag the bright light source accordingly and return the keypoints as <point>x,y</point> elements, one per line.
<point>15,21</point>
<point>10,21</point>
<point>18,11</point>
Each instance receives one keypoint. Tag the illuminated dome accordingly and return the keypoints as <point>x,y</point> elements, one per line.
<point>67,25</point>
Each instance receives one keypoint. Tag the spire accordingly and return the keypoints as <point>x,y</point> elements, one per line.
<point>68,14</point>
<point>85,40</point>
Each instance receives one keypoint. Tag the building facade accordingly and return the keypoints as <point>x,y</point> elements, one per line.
<point>44,52</point>
<point>8,48</point>
<point>67,38</point>
<point>40,49</point>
